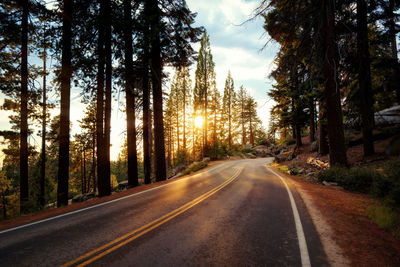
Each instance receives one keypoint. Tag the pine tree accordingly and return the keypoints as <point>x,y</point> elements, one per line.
<point>204,79</point>
<point>228,103</point>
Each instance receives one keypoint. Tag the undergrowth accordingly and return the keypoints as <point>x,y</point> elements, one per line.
<point>195,166</point>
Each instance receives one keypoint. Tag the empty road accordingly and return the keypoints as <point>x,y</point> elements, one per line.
<point>238,213</point>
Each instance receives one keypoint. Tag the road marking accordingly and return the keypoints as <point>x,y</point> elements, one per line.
<point>105,249</point>
<point>105,203</point>
<point>305,257</point>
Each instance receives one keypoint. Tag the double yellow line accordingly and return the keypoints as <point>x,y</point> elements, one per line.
<point>100,252</point>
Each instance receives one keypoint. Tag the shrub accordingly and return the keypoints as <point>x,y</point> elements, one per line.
<point>248,150</point>
<point>195,166</point>
<point>354,179</point>
<point>332,174</point>
<point>181,157</point>
<point>388,184</point>
<point>383,216</point>
<point>359,179</point>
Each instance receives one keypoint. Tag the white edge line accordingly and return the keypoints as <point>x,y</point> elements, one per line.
<point>305,258</point>
<point>104,203</point>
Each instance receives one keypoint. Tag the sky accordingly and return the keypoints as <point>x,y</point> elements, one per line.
<point>235,48</point>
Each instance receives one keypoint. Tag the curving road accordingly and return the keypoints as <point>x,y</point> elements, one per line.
<point>239,213</point>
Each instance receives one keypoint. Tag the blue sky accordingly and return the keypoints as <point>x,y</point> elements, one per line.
<point>234,48</point>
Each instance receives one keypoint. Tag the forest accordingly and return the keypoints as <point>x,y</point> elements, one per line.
<point>337,65</point>
<point>103,48</point>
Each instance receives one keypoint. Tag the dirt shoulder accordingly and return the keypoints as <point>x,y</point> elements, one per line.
<point>17,221</point>
<point>362,242</point>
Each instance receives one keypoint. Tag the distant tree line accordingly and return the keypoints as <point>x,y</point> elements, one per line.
<point>227,122</point>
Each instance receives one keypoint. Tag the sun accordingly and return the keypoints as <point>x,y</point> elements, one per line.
<point>198,122</point>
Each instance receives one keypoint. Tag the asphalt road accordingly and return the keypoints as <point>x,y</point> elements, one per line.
<point>236,214</point>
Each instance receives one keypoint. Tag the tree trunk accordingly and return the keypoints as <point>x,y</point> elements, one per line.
<point>66,73</point>
<point>229,124</point>
<point>93,170</point>
<point>84,171</point>
<point>4,203</point>
<point>364,78</point>
<point>323,147</point>
<point>43,152</point>
<point>311,106</point>
<point>243,128</point>
<point>337,150</point>
<point>101,159</point>
<point>108,95</point>
<point>184,117</point>
<point>130,98</point>
<point>146,101</point>
<point>23,152</point>
<point>177,128</point>
<point>156,70</point>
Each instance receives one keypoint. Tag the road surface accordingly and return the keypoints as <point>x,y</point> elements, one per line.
<point>238,213</point>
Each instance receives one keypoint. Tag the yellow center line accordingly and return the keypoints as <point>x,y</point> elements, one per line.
<point>129,237</point>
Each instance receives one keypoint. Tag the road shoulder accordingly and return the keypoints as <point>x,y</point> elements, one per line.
<point>346,233</point>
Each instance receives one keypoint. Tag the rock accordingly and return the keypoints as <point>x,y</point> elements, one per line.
<point>176,176</point>
<point>317,163</point>
<point>206,159</point>
<point>302,171</point>
<point>314,146</point>
<point>181,167</point>
<point>250,155</point>
<point>82,197</point>
<point>393,148</point>
<point>247,146</point>
<point>291,156</point>
<point>329,184</point>
<point>123,185</point>
<point>280,158</point>
<point>310,175</point>
<point>77,198</point>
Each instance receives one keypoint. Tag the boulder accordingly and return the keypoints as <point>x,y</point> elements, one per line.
<point>310,175</point>
<point>251,155</point>
<point>123,185</point>
<point>302,171</point>
<point>247,146</point>
<point>181,167</point>
<point>82,197</point>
